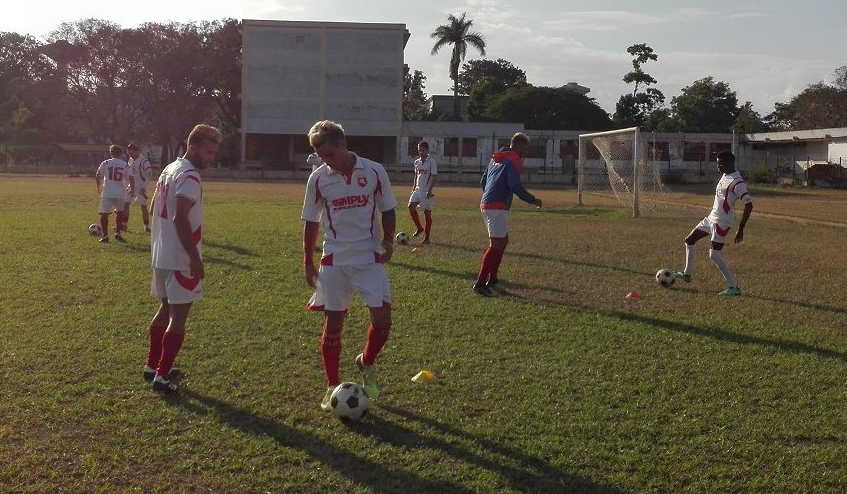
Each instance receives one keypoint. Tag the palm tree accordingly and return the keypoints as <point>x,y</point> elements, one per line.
<point>456,33</point>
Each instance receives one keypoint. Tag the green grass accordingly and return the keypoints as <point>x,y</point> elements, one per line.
<point>557,385</point>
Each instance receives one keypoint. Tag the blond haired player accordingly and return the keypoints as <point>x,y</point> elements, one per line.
<point>111,179</point>
<point>347,196</point>
<point>139,175</point>
<point>177,212</point>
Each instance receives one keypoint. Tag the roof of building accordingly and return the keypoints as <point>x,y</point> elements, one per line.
<point>798,135</point>
<point>331,25</point>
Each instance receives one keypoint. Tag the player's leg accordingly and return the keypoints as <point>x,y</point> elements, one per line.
<point>331,351</point>
<point>696,234</point>
<point>120,221</point>
<point>126,216</point>
<point>372,284</point>
<point>104,226</point>
<point>145,215</point>
<point>413,212</point>
<point>428,224</point>
<point>171,344</point>
<point>496,224</point>
<point>716,255</point>
<point>156,332</point>
<point>498,258</point>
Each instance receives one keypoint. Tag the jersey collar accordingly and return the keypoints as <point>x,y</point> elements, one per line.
<point>358,165</point>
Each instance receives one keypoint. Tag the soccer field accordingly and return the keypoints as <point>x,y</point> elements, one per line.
<point>557,385</point>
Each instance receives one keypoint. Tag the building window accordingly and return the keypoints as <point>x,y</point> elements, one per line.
<point>469,147</point>
<point>451,147</point>
<point>537,148</point>
<point>694,151</point>
<point>568,148</point>
<point>658,151</point>
<point>503,143</point>
<point>413,145</point>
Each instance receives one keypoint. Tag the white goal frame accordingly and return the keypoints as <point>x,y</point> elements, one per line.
<point>636,165</point>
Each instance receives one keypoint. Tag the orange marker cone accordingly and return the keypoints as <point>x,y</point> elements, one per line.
<point>633,296</point>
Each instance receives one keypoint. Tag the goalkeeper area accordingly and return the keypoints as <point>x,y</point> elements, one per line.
<point>617,162</point>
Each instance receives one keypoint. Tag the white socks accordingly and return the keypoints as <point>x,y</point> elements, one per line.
<point>717,258</point>
<point>689,259</point>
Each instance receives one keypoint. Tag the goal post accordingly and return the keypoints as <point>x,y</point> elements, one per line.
<point>616,160</point>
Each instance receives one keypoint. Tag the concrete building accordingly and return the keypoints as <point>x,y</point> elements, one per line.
<point>442,104</point>
<point>802,148</point>
<point>295,73</point>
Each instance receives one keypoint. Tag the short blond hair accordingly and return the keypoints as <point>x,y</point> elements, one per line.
<point>325,131</point>
<point>520,137</point>
<point>202,132</point>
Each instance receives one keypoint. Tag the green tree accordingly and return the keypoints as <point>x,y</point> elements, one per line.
<point>634,108</point>
<point>547,108</point>
<point>414,97</point>
<point>502,73</point>
<point>705,106</point>
<point>819,106</point>
<point>748,120</point>
<point>457,34</point>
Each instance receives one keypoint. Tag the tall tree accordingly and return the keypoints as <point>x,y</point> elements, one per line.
<point>748,120</point>
<point>632,109</point>
<point>705,106</point>
<point>547,108</point>
<point>502,73</point>
<point>414,97</point>
<point>457,34</point>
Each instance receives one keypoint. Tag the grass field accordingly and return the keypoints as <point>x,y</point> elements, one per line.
<point>557,385</point>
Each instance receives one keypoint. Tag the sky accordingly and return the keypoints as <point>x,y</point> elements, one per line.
<point>767,51</point>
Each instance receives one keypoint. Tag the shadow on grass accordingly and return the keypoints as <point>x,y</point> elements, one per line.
<point>806,305</point>
<point>472,276</point>
<point>361,471</point>
<point>241,251</point>
<point>520,470</point>
<point>560,260</point>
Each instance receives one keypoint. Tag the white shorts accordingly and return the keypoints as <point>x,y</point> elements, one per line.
<point>176,286</point>
<point>718,233</point>
<point>141,198</point>
<point>497,222</point>
<point>336,285</point>
<point>110,204</point>
<point>418,196</point>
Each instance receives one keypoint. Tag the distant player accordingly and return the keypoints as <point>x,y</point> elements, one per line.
<point>111,178</point>
<point>426,172</point>
<point>139,175</point>
<point>500,180</point>
<point>314,161</point>
<point>731,188</point>
<point>177,212</point>
<point>347,197</point>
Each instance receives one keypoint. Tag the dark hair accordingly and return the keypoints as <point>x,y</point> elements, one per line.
<point>520,138</point>
<point>115,150</point>
<point>726,157</point>
<point>424,144</point>
<point>132,146</point>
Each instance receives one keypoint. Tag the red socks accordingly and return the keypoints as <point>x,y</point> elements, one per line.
<point>155,351</point>
<point>331,354</point>
<point>104,224</point>
<point>489,264</point>
<point>428,219</point>
<point>376,340</point>
<point>495,265</point>
<point>171,343</point>
<point>416,219</point>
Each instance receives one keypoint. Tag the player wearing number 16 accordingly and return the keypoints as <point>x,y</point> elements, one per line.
<point>111,179</point>
<point>176,210</point>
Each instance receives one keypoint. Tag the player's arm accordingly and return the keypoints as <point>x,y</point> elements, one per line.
<point>484,177</point>
<point>433,178</point>
<point>150,207</point>
<point>748,208</point>
<point>132,184</point>
<point>515,185</point>
<point>386,202</point>
<point>183,231</point>
<point>98,179</point>
<point>310,239</point>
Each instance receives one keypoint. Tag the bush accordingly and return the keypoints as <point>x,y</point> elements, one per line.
<point>761,175</point>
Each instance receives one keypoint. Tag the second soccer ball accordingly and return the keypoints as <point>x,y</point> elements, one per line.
<point>402,238</point>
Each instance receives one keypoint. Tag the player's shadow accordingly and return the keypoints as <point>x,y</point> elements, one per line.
<point>357,469</point>
<point>520,470</point>
<point>241,251</point>
<point>806,305</point>
<point>560,260</point>
<point>468,276</point>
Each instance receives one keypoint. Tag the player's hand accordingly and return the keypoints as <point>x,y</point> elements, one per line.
<point>388,248</point>
<point>430,195</point>
<point>538,203</point>
<point>311,274</point>
<point>739,236</point>
<point>196,267</point>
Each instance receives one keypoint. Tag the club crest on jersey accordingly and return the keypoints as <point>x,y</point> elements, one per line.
<point>362,181</point>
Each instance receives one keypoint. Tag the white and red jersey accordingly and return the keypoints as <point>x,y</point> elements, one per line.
<point>731,187</point>
<point>179,179</point>
<point>424,170</point>
<point>114,173</point>
<point>349,209</point>
<point>140,170</point>
<point>314,161</point>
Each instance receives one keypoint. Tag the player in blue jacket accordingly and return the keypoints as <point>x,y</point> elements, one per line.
<point>500,180</point>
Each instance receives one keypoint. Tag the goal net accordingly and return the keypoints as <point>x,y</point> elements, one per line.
<point>617,162</point>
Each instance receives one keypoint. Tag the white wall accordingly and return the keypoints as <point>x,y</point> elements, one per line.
<point>838,151</point>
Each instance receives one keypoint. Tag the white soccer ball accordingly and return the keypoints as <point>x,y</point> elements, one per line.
<point>349,402</point>
<point>402,238</point>
<point>665,277</point>
<point>94,230</point>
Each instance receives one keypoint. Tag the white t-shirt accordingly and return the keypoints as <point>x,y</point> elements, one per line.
<point>349,210</point>
<point>115,177</point>
<point>179,179</point>
<point>140,171</point>
<point>424,170</point>
<point>731,187</point>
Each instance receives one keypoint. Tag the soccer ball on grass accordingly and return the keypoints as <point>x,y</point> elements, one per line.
<point>349,402</point>
<point>665,277</point>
